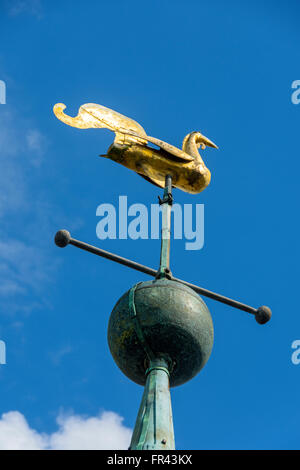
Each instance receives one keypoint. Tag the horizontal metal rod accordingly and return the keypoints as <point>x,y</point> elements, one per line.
<point>113,257</point>
<point>218,297</point>
<point>63,238</point>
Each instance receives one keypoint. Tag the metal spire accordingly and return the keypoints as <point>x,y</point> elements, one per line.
<point>154,424</point>
<point>155,370</point>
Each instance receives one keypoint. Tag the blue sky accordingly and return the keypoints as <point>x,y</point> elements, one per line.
<point>224,68</point>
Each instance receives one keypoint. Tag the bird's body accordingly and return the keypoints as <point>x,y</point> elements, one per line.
<point>131,149</point>
<point>154,165</point>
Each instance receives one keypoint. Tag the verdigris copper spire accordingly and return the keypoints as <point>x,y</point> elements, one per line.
<point>154,424</point>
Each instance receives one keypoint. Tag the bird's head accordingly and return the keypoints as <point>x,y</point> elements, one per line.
<point>201,141</point>
<point>193,141</point>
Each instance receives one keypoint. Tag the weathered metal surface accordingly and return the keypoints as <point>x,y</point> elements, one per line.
<point>176,324</point>
<point>154,424</point>
<point>130,148</point>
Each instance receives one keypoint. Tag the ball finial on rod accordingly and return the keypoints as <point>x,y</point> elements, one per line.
<point>62,238</point>
<point>263,315</point>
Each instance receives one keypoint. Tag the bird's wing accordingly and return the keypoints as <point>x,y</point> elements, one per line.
<point>170,150</point>
<point>127,130</point>
<point>97,116</point>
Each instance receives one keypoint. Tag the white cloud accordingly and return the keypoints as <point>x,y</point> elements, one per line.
<point>105,431</point>
<point>27,216</point>
<point>32,7</point>
<point>57,356</point>
<point>13,193</point>
<point>25,266</point>
<point>21,146</point>
<point>36,144</point>
<point>18,137</point>
<point>15,434</point>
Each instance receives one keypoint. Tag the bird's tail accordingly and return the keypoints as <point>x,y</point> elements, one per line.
<point>92,115</point>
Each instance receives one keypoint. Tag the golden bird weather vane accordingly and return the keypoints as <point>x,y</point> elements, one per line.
<point>131,149</point>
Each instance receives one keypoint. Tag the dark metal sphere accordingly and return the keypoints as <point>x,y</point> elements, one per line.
<point>175,323</point>
<point>62,238</point>
<point>263,315</point>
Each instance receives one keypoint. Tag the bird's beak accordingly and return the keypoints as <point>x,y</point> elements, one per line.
<point>205,141</point>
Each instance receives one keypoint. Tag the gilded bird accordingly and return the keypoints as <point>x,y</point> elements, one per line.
<point>131,149</point>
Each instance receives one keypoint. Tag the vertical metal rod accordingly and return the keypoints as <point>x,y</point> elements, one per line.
<point>166,202</point>
<point>154,424</point>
